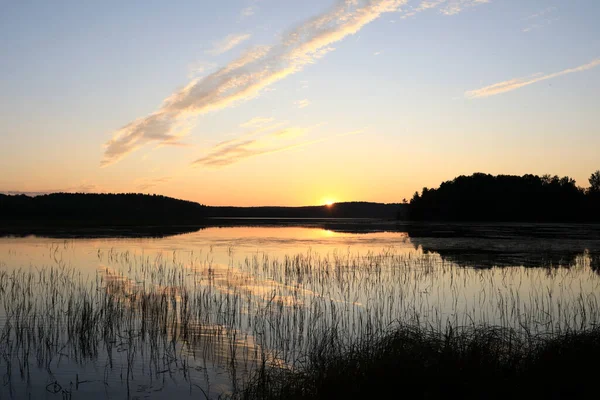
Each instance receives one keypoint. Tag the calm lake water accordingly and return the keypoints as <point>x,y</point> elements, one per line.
<point>195,314</point>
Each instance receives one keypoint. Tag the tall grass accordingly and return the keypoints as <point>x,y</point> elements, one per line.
<point>408,361</point>
<point>263,327</point>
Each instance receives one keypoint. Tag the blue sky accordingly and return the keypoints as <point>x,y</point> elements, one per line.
<point>375,101</point>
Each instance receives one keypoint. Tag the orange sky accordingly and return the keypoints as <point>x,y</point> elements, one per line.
<point>298,103</point>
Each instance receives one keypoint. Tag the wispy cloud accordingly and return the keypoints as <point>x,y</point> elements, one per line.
<point>540,19</point>
<point>453,7</point>
<point>228,43</point>
<point>514,84</point>
<point>257,121</point>
<point>289,133</point>
<point>29,193</point>
<point>248,11</point>
<point>542,13</point>
<point>256,70</point>
<point>81,188</point>
<point>246,77</point>
<point>256,131</point>
<point>446,7</point>
<point>302,103</point>
<point>266,136</point>
<point>244,150</point>
<point>148,183</point>
<point>200,68</point>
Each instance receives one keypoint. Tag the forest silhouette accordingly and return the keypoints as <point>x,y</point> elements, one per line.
<point>78,209</point>
<point>476,198</point>
<point>508,198</point>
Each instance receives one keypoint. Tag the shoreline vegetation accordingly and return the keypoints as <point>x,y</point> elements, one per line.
<point>508,198</point>
<point>483,362</point>
<point>470,199</point>
<point>358,326</point>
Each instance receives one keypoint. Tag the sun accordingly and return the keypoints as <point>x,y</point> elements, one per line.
<point>328,201</point>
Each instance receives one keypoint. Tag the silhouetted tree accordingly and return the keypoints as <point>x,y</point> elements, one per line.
<point>131,208</point>
<point>484,197</point>
<point>595,182</point>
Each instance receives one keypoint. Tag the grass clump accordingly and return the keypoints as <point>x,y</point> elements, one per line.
<point>412,362</point>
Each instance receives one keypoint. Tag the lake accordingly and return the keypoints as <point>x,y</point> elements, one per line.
<point>195,314</point>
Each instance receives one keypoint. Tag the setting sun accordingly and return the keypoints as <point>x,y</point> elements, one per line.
<point>328,201</point>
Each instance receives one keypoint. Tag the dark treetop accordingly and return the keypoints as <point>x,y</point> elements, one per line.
<point>508,198</point>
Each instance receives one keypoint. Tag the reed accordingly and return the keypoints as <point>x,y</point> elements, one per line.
<point>261,327</point>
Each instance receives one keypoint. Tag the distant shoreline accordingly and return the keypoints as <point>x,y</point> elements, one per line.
<point>480,205</point>
<point>440,229</point>
<point>83,229</point>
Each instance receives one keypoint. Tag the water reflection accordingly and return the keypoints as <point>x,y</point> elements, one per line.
<point>484,246</point>
<point>195,313</point>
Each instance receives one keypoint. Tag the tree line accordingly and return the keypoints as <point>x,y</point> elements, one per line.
<point>507,198</point>
<point>478,197</point>
<point>140,209</point>
<point>107,209</point>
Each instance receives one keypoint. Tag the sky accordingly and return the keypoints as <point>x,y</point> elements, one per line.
<point>287,102</point>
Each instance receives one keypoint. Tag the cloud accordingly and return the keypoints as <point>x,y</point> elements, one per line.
<point>545,11</point>
<point>248,11</point>
<point>243,147</point>
<point>82,188</point>
<point>174,143</point>
<point>267,127</point>
<point>157,127</point>
<point>446,7</point>
<point>148,183</point>
<point>246,77</point>
<point>270,134</point>
<point>377,53</point>
<point>228,43</point>
<point>514,84</point>
<point>302,103</point>
<point>541,18</point>
<point>289,133</point>
<point>457,6</point>
<point>240,151</point>
<point>540,25</point>
<point>30,194</point>
<point>200,68</point>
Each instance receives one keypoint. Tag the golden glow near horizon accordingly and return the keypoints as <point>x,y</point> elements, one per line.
<point>278,116</point>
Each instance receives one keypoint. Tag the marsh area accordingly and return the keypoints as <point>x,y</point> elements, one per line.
<point>197,314</point>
